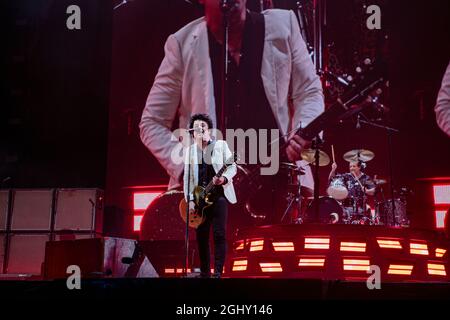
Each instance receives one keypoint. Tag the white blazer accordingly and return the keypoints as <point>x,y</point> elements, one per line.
<point>184,84</point>
<point>220,154</point>
<point>442,107</point>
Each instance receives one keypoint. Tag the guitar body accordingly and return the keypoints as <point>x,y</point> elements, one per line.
<point>203,198</point>
<point>197,217</point>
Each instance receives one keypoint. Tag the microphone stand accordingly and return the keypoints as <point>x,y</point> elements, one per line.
<point>225,6</point>
<point>186,239</point>
<point>389,131</point>
<point>316,146</point>
<point>121,4</point>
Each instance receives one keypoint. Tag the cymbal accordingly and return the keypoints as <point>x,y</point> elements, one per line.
<point>309,156</point>
<point>293,167</point>
<point>359,154</point>
<point>288,165</point>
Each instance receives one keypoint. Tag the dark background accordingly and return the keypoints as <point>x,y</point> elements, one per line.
<point>72,100</point>
<point>55,94</point>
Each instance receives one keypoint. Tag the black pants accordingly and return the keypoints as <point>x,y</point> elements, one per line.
<point>216,215</point>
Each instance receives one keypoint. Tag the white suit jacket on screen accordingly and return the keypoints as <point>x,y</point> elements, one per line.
<point>184,84</point>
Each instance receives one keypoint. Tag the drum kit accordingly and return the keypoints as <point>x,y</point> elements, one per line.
<point>342,206</point>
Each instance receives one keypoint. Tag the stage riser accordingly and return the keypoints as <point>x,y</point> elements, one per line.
<point>96,258</point>
<point>345,252</point>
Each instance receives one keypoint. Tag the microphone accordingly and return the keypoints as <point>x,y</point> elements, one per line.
<point>199,130</point>
<point>121,4</point>
<point>227,5</point>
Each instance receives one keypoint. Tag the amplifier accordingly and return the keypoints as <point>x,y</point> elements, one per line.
<point>4,200</point>
<point>2,251</point>
<point>79,210</point>
<point>26,253</point>
<point>32,210</point>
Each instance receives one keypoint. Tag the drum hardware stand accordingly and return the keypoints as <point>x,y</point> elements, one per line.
<point>316,146</point>
<point>356,201</point>
<point>303,23</point>
<point>294,198</point>
<point>319,21</point>
<point>389,131</point>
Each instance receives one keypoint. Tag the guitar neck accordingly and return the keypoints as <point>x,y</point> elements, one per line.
<point>337,111</point>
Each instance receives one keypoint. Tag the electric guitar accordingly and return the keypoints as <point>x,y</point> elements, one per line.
<point>250,184</point>
<point>203,198</point>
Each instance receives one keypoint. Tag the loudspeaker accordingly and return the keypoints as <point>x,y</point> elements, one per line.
<point>99,257</point>
<point>2,251</point>
<point>4,201</point>
<point>32,210</point>
<point>26,253</point>
<point>79,209</point>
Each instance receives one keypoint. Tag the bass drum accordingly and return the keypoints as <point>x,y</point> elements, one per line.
<point>330,211</point>
<point>337,188</point>
<point>162,219</point>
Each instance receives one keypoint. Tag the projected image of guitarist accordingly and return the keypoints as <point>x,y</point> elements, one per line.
<point>208,187</point>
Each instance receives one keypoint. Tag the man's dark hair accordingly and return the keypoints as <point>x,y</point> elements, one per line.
<point>202,117</point>
<point>361,164</point>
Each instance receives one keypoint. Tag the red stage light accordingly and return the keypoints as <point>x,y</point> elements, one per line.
<point>440,219</point>
<point>256,245</point>
<point>317,243</point>
<point>240,265</point>
<point>283,246</point>
<point>311,262</point>
<point>389,244</point>
<point>353,246</point>
<point>418,248</point>
<point>400,269</point>
<point>137,219</point>
<point>436,269</point>
<point>141,200</point>
<point>440,252</point>
<point>356,264</point>
<point>271,267</point>
<point>441,194</point>
<point>239,245</point>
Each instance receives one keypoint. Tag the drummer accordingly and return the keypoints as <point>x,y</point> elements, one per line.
<point>356,181</point>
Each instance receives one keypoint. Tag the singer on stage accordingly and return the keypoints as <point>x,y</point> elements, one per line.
<point>206,158</point>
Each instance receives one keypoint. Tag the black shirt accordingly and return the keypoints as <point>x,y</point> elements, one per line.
<point>355,190</point>
<point>205,169</point>
<point>247,106</point>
